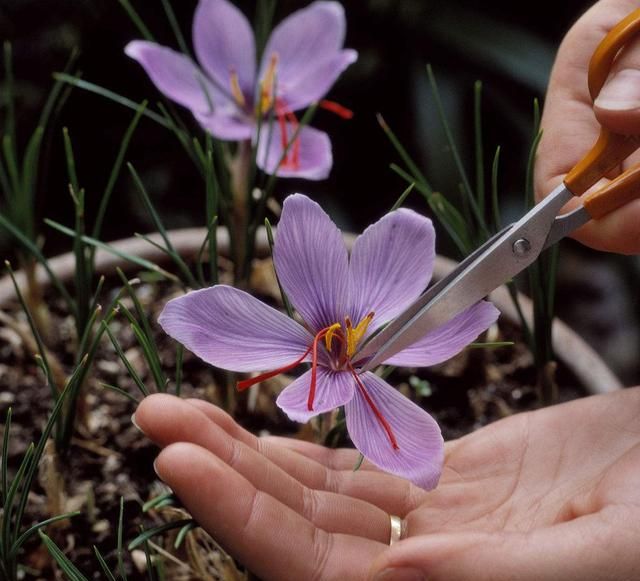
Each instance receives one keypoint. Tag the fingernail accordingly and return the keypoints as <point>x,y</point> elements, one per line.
<point>400,574</point>
<point>135,424</point>
<point>155,468</point>
<point>621,92</point>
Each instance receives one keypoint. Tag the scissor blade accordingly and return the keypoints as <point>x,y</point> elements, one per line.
<point>565,224</point>
<point>493,264</point>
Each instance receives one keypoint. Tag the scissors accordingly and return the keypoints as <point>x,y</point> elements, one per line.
<point>518,245</point>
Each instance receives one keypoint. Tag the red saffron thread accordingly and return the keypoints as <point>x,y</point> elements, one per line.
<point>383,422</point>
<point>336,108</point>
<point>245,383</point>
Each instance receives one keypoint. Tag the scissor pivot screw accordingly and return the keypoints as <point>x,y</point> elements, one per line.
<point>521,247</point>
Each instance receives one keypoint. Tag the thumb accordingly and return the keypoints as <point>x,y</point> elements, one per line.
<point>617,106</point>
<point>571,551</point>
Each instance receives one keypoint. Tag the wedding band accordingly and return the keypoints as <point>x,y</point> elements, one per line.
<point>396,528</point>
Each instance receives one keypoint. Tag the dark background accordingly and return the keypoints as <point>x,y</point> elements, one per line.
<point>509,47</point>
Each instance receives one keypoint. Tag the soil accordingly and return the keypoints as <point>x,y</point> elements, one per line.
<point>109,459</point>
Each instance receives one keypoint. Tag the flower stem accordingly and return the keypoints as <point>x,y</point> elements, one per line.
<point>239,168</point>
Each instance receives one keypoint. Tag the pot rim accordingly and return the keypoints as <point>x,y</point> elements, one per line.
<point>570,348</point>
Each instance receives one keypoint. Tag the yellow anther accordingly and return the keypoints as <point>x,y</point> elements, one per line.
<point>267,85</point>
<point>355,334</point>
<point>236,91</point>
<point>331,331</point>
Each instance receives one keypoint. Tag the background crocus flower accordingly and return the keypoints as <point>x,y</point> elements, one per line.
<point>342,300</point>
<point>232,96</point>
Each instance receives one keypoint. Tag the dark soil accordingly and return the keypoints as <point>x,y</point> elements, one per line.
<point>109,459</point>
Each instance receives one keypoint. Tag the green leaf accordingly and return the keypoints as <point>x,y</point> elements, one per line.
<point>35,528</point>
<point>112,250</point>
<point>150,533</point>
<point>135,18</point>
<point>121,569</point>
<point>69,569</point>
<point>103,565</point>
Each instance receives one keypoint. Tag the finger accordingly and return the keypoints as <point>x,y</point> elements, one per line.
<point>321,468</point>
<point>270,538</point>
<point>167,419</point>
<point>590,547</point>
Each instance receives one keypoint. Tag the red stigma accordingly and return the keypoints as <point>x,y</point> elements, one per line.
<point>246,383</point>
<point>374,408</point>
<point>291,159</point>
<point>336,108</point>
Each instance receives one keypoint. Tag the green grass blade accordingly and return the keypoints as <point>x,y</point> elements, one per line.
<point>156,500</point>
<point>115,170</point>
<point>42,351</point>
<point>121,569</point>
<point>157,221</point>
<point>135,18</point>
<point>37,454</point>
<point>179,363</point>
<point>150,533</point>
<point>69,569</point>
<point>106,93</point>
<point>182,533</point>
<point>10,117</point>
<point>119,391</point>
<point>33,249</point>
<point>403,196</point>
<point>413,168</point>
<point>35,528</point>
<point>29,181</point>
<point>4,468</point>
<point>103,565</point>
<point>479,148</point>
<point>149,349</point>
<point>173,22</point>
<point>495,205</point>
<point>7,509</point>
<point>146,264</point>
<point>469,196</point>
<point>132,372</point>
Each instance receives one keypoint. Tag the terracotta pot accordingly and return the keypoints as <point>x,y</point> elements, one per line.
<point>570,349</point>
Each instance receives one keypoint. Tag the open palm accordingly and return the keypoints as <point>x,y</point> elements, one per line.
<point>553,494</point>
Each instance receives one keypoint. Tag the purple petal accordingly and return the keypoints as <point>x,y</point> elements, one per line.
<point>308,45</point>
<point>176,75</point>
<point>224,44</point>
<point>312,263</point>
<point>229,127</point>
<point>449,339</point>
<point>229,328</point>
<point>420,452</point>
<point>306,87</point>
<point>333,389</point>
<point>391,263</point>
<point>310,158</point>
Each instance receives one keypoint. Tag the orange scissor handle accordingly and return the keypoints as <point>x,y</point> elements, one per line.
<point>611,148</point>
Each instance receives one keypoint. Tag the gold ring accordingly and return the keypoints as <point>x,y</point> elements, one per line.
<point>396,528</point>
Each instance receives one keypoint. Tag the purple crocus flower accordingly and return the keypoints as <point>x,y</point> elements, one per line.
<point>233,98</point>
<point>342,299</point>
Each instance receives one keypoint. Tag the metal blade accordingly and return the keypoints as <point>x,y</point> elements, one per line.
<point>496,262</point>
<point>565,224</point>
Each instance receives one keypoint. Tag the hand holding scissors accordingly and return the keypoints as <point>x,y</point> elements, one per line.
<point>571,120</point>
<point>515,247</point>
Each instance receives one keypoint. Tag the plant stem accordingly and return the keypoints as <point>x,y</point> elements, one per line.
<point>239,171</point>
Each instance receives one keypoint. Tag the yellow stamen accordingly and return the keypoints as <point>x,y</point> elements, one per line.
<point>236,91</point>
<point>355,334</point>
<point>330,333</point>
<point>267,85</point>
